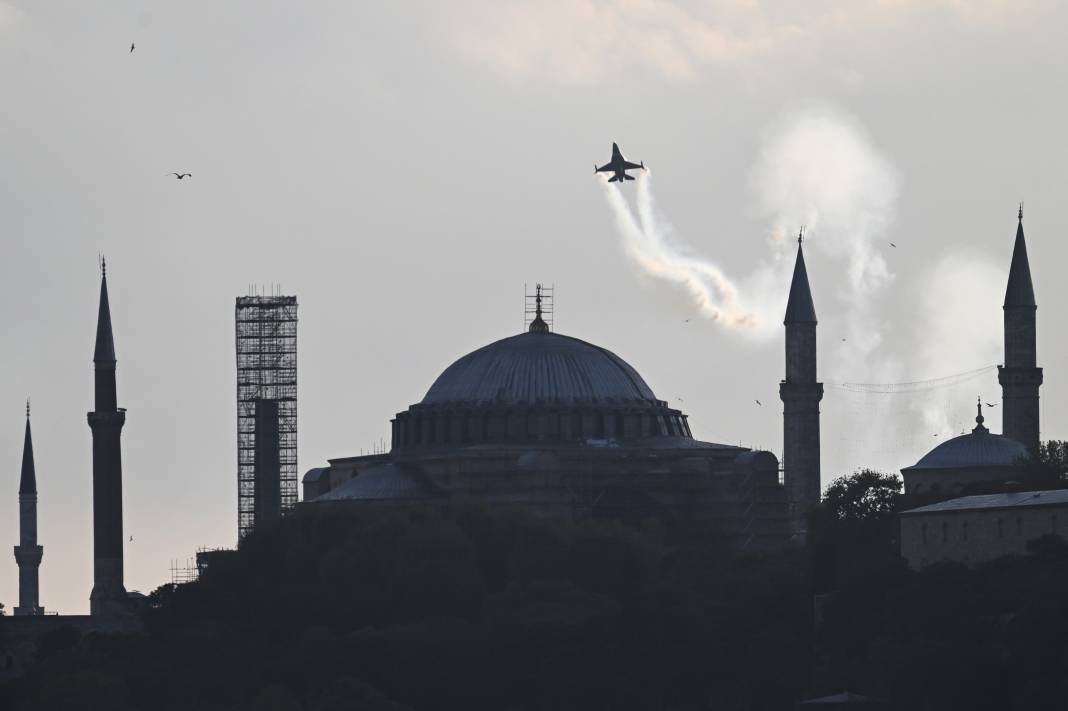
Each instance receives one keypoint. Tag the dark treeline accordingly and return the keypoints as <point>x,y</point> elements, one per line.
<point>468,609</point>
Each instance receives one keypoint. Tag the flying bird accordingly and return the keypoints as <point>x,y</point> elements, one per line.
<point>181,175</point>
<point>893,245</point>
<point>759,403</point>
<point>131,539</point>
<point>991,404</point>
<point>132,47</point>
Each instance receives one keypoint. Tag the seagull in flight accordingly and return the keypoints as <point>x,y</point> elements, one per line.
<point>991,404</point>
<point>759,403</point>
<point>893,245</point>
<point>181,175</point>
<point>132,45</point>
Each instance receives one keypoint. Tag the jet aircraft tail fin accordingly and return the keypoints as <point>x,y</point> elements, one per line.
<point>614,179</point>
<point>628,177</point>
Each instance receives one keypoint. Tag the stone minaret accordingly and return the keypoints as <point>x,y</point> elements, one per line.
<point>1020,378</point>
<point>27,553</point>
<point>801,395</point>
<point>106,421</point>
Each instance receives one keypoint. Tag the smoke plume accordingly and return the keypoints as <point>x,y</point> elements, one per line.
<point>819,170</point>
<point>650,242</point>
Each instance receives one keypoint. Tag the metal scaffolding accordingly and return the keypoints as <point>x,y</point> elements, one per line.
<point>266,374</point>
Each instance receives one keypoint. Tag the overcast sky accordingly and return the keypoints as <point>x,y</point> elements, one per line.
<point>404,168</point>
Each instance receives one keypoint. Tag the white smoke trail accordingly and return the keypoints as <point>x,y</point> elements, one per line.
<point>819,170</point>
<point>648,241</point>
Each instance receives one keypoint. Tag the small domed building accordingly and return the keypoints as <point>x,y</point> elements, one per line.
<point>558,426</point>
<point>979,457</point>
<point>982,457</point>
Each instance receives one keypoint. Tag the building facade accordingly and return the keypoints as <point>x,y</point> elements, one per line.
<point>975,529</point>
<point>554,425</point>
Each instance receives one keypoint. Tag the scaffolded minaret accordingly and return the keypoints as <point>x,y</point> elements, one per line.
<point>1020,377</point>
<point>109,595</point>
<point>801,395</point>
<point>27,553</point>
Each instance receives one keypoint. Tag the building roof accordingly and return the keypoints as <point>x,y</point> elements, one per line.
<point>539,367</point>
<point>978,448</point>
<point>799,308</point>
<point>28,480</point>
<point>1019,291</point>
<point>382,482</point>
<point>1020,499</point>
<point>315,475</point>
<point>105,342</point>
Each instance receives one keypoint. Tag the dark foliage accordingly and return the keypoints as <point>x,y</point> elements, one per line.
<point>337,611</point>
<point>459,610</point>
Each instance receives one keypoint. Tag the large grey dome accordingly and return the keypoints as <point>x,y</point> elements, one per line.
<point>537,387</point>
<point>538,367</point>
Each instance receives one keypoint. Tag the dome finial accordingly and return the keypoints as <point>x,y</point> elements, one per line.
<point>979,419</point>
<point>1019,214</point>
<point>27,408</point>
<point>538,325</point>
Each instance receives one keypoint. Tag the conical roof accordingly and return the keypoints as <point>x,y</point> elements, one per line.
<point>105,342</point>
<point>28,481</point>
<point>1020,291</point>
<point>799,309</point>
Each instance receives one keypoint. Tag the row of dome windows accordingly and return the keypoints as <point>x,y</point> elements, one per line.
<point>419,429</point>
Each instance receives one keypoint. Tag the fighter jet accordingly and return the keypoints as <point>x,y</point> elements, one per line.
<point>619,165</point>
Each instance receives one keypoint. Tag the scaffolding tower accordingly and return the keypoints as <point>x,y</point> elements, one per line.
<point>266,408</point>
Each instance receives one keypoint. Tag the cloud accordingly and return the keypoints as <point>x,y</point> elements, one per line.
<point>583,41</point>
<point>9,16</point>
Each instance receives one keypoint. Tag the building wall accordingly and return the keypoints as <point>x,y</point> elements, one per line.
<point>978,535</point>
<point>736,490</point>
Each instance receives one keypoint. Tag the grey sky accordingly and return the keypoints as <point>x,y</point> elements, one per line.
<point>404,168</point>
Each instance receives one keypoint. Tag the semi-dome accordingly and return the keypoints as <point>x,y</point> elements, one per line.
<point>539,367</point>
<point>537,387</point>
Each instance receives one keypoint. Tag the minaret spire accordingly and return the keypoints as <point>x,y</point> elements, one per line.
<point>108,597</point>
<point>801,394</point>
<point>1020,376</point>
<point>799,307</point>
<point>28,553</point>
<point>105,341</point>
<point>28,478</point>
